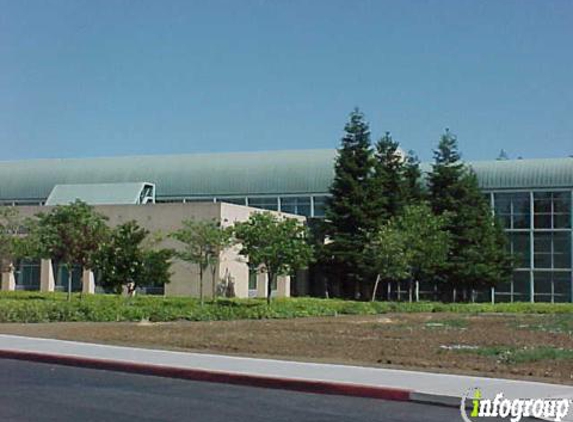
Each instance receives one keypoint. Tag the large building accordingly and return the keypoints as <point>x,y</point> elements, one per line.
<point>532,198</point>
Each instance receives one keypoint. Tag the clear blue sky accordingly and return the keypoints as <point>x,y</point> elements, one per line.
<point>104,78</point>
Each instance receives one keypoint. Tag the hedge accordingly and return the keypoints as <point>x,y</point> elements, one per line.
<point>53,307</point>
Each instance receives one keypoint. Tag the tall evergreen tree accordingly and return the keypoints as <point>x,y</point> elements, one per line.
<point>478,255</point>
<point>387,185</point>
<point>348,213</point>
<point>414,190</point>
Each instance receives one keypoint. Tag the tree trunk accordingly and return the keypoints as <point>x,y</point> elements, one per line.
<point>70,274</point>
<point>375,288</point>
<point>270,277</point>
<point>213,275</point>
<point>201,285</point>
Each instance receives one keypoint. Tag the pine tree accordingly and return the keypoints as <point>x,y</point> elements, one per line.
<point>478,256</point>
<point>348,215</point>
<point>387,186</point>
<point>414,190</point>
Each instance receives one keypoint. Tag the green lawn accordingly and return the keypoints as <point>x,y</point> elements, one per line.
<point>48,307</point>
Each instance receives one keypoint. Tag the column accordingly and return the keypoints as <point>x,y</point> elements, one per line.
<point>8,279</point>
<point>47,279</point>
<point>88,282</point>
<point>283,286</point>
<point>261,284</point>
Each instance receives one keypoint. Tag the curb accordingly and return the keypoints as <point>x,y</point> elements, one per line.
<point>306,386</point>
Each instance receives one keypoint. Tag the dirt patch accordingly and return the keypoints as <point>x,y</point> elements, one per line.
<point>438,342</point>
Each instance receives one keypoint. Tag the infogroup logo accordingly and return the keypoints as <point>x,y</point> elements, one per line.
<point>513,409</point>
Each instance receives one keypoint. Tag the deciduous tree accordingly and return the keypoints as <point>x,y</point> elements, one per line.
<point>277,245</point>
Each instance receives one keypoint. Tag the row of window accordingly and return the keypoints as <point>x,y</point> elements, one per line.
<point>546,286</point>
<point>550,210</point>
<point>550,249</point>
<point>27,275</point>
<point>308,206</point>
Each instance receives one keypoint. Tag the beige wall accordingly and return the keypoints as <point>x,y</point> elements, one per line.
<point>166,218</point>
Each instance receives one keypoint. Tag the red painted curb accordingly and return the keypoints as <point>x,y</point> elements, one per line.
<point>307,386</point>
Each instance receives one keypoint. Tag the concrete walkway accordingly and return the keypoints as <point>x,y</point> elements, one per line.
<point>335,379</point>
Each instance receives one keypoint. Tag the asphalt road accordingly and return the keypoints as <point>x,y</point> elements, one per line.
<point>43,392</point>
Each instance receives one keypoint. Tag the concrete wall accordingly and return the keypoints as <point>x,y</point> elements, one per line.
<point>166,218</point>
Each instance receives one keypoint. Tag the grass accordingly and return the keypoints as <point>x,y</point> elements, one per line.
<point>53,307</point>
<point>512,355</point>
<point>455,323</point>
<point>555,324</point>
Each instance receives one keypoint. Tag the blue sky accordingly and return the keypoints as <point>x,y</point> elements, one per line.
<point>105,78</point>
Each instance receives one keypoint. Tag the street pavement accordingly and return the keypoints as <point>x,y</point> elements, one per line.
<point>422,386</point>
<point>40,392</point>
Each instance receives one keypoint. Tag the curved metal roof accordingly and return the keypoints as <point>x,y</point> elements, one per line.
<point>249,173</point>
<point>521,174</point>
<point>244,173</point>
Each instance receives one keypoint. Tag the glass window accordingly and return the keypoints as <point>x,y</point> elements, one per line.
<point>502,203</point>
<point>296,205</point>
<point>27,274</point>
<point>236,201</point>
<point>542,221</point>
<point>520,247</point>
<point>267,203</point>
<point>543,286</point>
<point>552,286</point>
<point>542,250</point>
<point>513,209</point>
<point>562,250</point>
<point>562,286</point>
<point>552,250</point>
<point>253,279</point>
<point>521,286</point>
<point>61,275</point>
<point>319,206</point>
<point>552,210</point>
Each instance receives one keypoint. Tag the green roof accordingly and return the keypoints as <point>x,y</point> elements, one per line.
<point>245,173</point>
<point>97,194</point>
<point>522,174</point>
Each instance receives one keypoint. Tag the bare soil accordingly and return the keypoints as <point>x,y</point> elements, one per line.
<point>412,341</point>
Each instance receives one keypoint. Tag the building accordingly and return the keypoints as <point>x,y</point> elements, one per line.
<point>533,198</point>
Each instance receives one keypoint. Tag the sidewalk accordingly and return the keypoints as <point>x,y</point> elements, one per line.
<point>311,377</point>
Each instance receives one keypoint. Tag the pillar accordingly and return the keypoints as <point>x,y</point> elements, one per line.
<point>47,279</point>
<point>88,282</point>
<point>261,284</point>
<point>283,286</point>
<point>8,280</point>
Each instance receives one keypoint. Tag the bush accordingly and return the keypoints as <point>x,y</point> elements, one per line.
<point>53,307</point>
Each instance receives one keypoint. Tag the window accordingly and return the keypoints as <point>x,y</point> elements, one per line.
<point>27,274</point>
<point>61,276</point>
<point>296,205</point>
<point>519,247</point>
<point>552,250</point>
<point>253,273</point>
<point>513,209</point>
<point>521,286</point>
<point>552,210</point>
<point>267,203</point>
<point>552,286</point>
<point>319,206</point>
<point>236,201</point>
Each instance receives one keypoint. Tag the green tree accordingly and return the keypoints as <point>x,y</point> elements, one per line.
<point>203,242</point>
<point>478,256</point>
<point>11,231</point>
<point>280,246</point>
<point>70,234</point>
<point>387,185</point>
<point>414,190</point>
<point>412,246</point>
<point>128,256</point>
<point>349,209</point>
